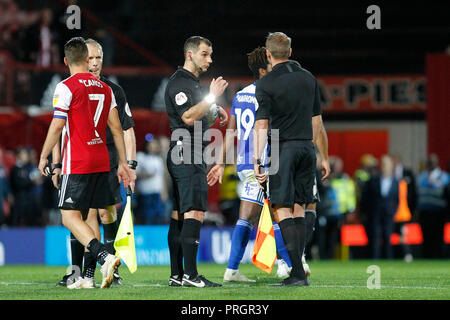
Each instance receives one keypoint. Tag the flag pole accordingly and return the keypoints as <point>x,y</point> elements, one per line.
<point>261,170</point>
<point>264,249</point>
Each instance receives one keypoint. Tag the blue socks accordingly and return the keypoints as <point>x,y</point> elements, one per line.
<point>239,241</point>
<point>281,248</point>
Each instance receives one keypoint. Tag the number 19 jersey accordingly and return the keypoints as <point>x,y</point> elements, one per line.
<point>243,108</point>
<point>84,102</point>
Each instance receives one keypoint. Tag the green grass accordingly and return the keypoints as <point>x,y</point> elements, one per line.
<point>329,280</point>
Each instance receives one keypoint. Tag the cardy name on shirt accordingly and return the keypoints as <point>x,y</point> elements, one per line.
<point>89,83</point>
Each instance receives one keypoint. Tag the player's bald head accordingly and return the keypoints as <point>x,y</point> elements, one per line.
<point>76,51</point>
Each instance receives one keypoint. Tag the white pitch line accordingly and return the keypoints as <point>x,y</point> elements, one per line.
<point>25,283</point>
<point>239,286</point>
<point>382,287</point>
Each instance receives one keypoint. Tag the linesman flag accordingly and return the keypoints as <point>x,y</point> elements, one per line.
<point>124,242</point>
<point>264,250</point>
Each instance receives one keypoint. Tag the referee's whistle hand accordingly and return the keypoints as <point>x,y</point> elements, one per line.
<point>218,86</point>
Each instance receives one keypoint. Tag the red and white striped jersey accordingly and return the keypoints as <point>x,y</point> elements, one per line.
<point>85,102</point>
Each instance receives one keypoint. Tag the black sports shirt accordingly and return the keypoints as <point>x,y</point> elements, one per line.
<point>289,97</point>
<point>182,92</point>
<point>125,117</point>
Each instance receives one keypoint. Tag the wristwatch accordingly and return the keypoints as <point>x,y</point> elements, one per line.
<point>132,164</point>
<point>256,161</point>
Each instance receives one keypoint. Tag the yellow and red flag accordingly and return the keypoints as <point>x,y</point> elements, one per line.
<point>264,250</point>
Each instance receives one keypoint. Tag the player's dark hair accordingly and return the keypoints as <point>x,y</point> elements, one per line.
<point>192,43</point>
<point>257,59</point>
<point>76,51</point>
<point>278,44</point>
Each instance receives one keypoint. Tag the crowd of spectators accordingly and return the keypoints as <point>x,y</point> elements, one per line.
<point>371,197</point>
<point>26,197</point>
<point>36,33</point>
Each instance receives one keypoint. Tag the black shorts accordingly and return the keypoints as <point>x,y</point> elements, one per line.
<point>190,188</point>
<point>114,185</point>
<point>295,178</point>
<point>84,191</point>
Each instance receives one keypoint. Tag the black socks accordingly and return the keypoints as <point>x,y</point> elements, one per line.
<point>77,251</point>
<point>175,250</point>
<point>110,232</point>
<point>310,221</point>
<point>90,263</point>
<point>98,250</point>
<point>190,238</point>
<point>301,227</point>
<point>291,238</point>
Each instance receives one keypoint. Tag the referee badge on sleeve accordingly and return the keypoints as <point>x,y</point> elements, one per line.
<point>181,98</point>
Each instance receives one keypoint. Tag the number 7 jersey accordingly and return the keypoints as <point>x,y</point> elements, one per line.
<point>84,102</point>
<point>243,108</point>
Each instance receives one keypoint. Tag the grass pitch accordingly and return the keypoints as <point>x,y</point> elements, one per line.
<point>330,280</point>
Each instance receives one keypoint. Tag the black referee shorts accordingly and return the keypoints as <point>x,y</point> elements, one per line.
<point>295,179</point>
<point>84,191</point>
<point>190,188</point>
<point>114,185</point>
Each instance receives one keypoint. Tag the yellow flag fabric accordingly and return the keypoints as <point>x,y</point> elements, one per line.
<point>124,242</point>
<point>264,250</point>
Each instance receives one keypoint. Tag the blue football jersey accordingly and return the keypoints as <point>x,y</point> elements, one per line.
<point>243,108</point>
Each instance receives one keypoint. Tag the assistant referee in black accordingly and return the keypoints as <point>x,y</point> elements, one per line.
<point>289,101</point>
<point>188,107</point>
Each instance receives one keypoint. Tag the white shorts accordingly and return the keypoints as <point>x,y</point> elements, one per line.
<point>250,190</point>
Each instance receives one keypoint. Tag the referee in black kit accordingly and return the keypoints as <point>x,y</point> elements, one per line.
<point>288,100</point>
<point>189,108</point>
